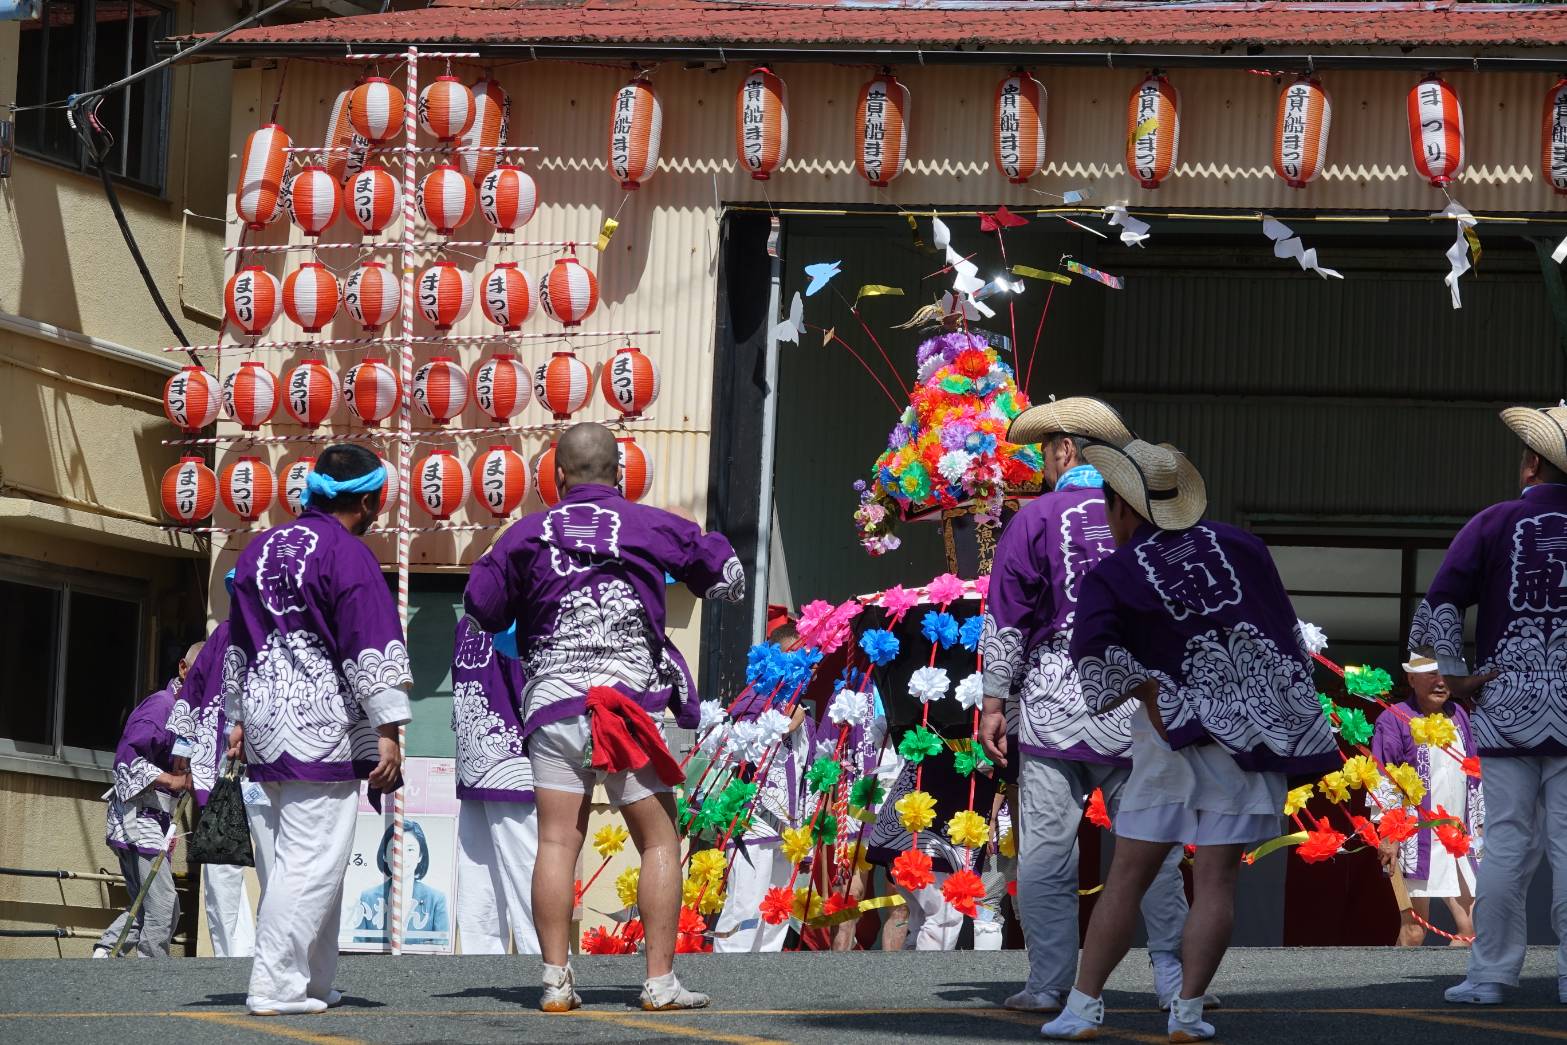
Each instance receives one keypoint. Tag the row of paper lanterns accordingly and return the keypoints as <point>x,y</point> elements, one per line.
<point>498,478</point>
<point>310,295</point>
<point>372,390</point>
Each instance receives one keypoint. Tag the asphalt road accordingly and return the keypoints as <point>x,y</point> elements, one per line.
<point>1364,996</point>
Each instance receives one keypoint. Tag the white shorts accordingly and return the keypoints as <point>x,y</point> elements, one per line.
<point>558,753</point>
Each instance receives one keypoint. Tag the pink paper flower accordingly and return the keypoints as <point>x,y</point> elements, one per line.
<point>814,617</point>
<point>982,585</point>
<point>898,601</point>
<point>945,590</point>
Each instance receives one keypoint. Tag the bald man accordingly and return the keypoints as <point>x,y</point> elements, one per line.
<point>584,585</point>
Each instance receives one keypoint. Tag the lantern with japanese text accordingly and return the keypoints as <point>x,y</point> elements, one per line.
<point>500,387</point>
<point>310,296</point>
<point>544,477</point>
<point>508,197</point>
<point>1019,132</point>
<point>1300,132</point>
<point>636,124</point>
<point>881,130</point>
<point>310,392</point>
<point>630,381</point>
<point>250,395</point>
<point>446,108</point>
<point>258,196</point>
<point>570,292</point>
<point>372,199</point>
<point>440,389</point>
<point>507,296</point>
<point>246,488</point>
<point>762,122</point>
<point>189,490</point>
<point>392,490</point>
<point>440,484</point>
<point>500,480</point>
<point>1553,159</point>
<point>1436,130</point>
<point>375,108</point>
<point>445,294</point>
<point>636,470</point>
<point>491,115</point>
<point>292,484</point>
<point>446,199</point>
<point>562,384</point>
<point>372,295</point>
<point>251,299</point>
<point>371,389</point>
<point>346,149</point>
<point>191,398</point>
<point>314,200</point>
<point>1153,130</point>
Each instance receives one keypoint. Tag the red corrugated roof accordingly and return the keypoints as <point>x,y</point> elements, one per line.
<point>934,24</point>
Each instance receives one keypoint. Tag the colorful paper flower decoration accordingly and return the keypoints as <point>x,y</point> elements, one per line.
<point>1364,681</point>
<point>609,840</point>
<point>1334,787</point>
<point>1320,844</point>
<point>971,692</point>
<point>866,792</point>
<point>970,759</point>
<point>898,600</point>
<point>1407,779</point>
<point>849,708</point>
<point>626,886</point>
<point>777,906</point>
<point>807,904</point>
<point>968,830</point>
<point>691,935</point>
<point>1361,771</point>
<point>1397,826</point>
<point>963,890</point>
<point>823,774</point>
<point>709,865</point>
<point>912,870</point>
<point>1433,730</point>
<point>1296,800</point>
<point>928,684</point>
<point>600,941</point>
<point>1452,835</point>
<point>838,902</point>
<point>1365,830</point>
<point>945,590</point>
<point>826,832</point>
<point>1471,766</point>
<point>939,626</point>
<point>796,844</point>
<point>1315,639</point>
<point>970,631</point>
<point>1096,812</point>
<point>916,811</point>
<point>879,645</point>
<point>918,744</point>
<point>1008,844</point>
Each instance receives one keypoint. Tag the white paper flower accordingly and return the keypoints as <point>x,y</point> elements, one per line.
<point>928,684</point>
<point>712,713</point>
<point>848,708</point>
<point>713,740</point>
<point>771,725</point>
<point>738,742</point>
<point>953,464</point>
<point>1315,638</point>
<point>971,692</point>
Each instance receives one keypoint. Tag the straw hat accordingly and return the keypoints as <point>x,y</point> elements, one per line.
<point>1544,431</point>
<point>1420,664</point>
<point>1077,415</point>
<point>1158,482</point>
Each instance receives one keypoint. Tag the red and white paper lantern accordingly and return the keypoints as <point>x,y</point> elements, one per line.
<point>246,488</point>
<point>446,108</point>
<point>376,109</point>
<point>501,387</point>
<point>881,129</point>
<point>311,296</point>
<point>507,296</point>
<point>191,398</point>
<point>636,470</point>
<point>189,491</point>
<point>636,125</point>
<point>251,299</point>
<point>508,197</point>
<point>1300,132</point>
<point>491,115</point>
<point>314,200</point>
<point>1154,110</point>
<point>1018,134</point>
<point>445,294</point>
<point>371,389</point>
<point>446,199</point>
<point>562,384</point>
<point>250,395</point>
<point>392,490</point>
<point>570,292</point>
<point>762,122</point>
<point>292,484</point>
<point>500,480</point>
<point>346,149</point>
<point>310,393</point>
<point>258,196</point>
<point>440,389</point>
<point>1553,135</point>
<point>441,484</point>
<point>1436,130</point>
<point>372,199</point>
<point>372,295</point>
<point>544,477</point>
<point>630,381</point>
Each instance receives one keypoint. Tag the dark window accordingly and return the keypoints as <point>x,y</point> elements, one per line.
<point>78,45</point>
<point>28,618</point>
<point>101,682</point>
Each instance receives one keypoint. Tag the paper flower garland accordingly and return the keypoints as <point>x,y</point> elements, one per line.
<point>1363,681</point>
<point>968,830</point>
<point>898,601</point>
<point>880,645</point>
<point>797,844</point>
<point>1407,779</point>
<point>866,792</point>
<point>601,941</point>
<point>1451,835</point>
<point>912,870</point>
<point>1397,825</point>
<point>1362,771</point>
<point>963,890</point>
<point>777,906</point>
<point>626,886</point>
<point>1349,723</point>
<point>826,832</point>
<point>1315,638</point>
<point>919,744</point>
<point>1334,787</point>
<point>971,692</point>
<point>939,627</point>
<point>969,634</point>
<point>713,714</point>
<point>928,684</point>
<point>1471,766</point>
<point>610,840</point>
<point>704,895</point>
<point>945,590</point>
<point>1096,812</point>
<point>1296,800</point>
<point>1365,831</point>
<point>691,937</point>
<point>807,904</point>
<point>823,774</point>
<point>1008,844</point>
<point>848,708</point>
<point>827,627</point>
<point>916,811</point>
<point>1433,730</point>
<point>838,902</point>
<point>708,864</point>
<point>970,759</point>
<point>1321,844</point>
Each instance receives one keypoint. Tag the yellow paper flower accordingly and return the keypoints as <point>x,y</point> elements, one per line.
<point>1361,771</point>
<point>708,865</point>
<point>796,844</point>
<point>610,840</point>
<point>916,811</point>
<point>1008,845</point>
<point>968,829</point>
<point>1296,800</point>
<point>695,891</point>
<point>1334,788</point>
<point>1407,779</point>
<point>626,886</point>
<point>801,897</point>
<point>712,901</point>
<point>861,861</point>
<point>1433,730</point>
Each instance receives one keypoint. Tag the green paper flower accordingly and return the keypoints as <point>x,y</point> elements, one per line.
<point>866,792</point>
<point>971,759</point>
<point>919,743</point>
<point>823,774</point>
<point>1327,704</point>
<point>1353,726</point>
<point>1364,681</point>
<point>826,832</point>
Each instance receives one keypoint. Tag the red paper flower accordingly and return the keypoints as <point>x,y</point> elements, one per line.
<point>1397,825</point>
<point>1321,844</point>
<point>632,933</point>
<point>1452,836</point>
<point>972,363</point>
<point>599,941</point>
<point>963,890</point>
<point>1366,830</point>
<point>1096,812</point>
<point>691,922</point>
<point>1012,887</point>
<point>838,902</point>
<point>777,906</point>
<point>1472,766</point>
<point>692,935</point>
<point>912,871</point>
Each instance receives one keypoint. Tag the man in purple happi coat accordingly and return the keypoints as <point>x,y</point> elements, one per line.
<point>584,584</point>
<point>315,683</point>
<point>1510,561</point>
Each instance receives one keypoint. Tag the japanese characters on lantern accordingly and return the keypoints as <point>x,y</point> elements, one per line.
<point>762,123</point>
<point>636,125</point>
<point>1300,133</point>
<point>881,130</point>
<point>1153,135</point>
<point>1553,160</point>
<point>262,163</point>
<point>1436,131</point>
<point>1020,127</point>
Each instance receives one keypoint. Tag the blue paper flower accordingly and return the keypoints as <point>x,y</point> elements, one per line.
<point>940,627</point>
<point>763,666</point>
<point>969,633</point>
<point>880,645</point>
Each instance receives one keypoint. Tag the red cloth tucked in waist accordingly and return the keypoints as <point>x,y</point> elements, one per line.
<point>625,738</point>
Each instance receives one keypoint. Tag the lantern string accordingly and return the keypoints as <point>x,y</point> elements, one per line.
<point>371,246</point>
<point>394,342</point>
<point>427,435</point>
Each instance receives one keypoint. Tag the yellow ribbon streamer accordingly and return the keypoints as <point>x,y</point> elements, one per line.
<point>1145,128</point>
<point>1033,273</point>
<point>1474,245</point>
<point>875,903</point>
<point>610,225</point>
<point>873,290</point>
<point>1089,892</point>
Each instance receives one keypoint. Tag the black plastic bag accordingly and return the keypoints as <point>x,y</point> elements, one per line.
<point>222,834</point>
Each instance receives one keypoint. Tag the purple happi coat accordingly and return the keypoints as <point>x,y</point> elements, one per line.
<point>1511,562</point>
<point>316,657</point>
<point>584,583</point>
<point>197,714</point>
<point>1203,612</point>
<point>492,761</point>
<point>1041,559</point>
<point>1392,744</point>
<point>139,810</point>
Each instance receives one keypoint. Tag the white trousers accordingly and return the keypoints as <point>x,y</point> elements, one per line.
<point>934,924</point>
<point>230,925</point>
<point>302,836</point>
<point>1525,818</point>
<point>757,868</point>
<point>497,843</point>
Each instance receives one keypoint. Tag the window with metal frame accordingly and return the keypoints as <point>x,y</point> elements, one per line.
<point>77,45</point>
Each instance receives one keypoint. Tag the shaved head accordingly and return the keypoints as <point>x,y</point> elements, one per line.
<point>587,453</point>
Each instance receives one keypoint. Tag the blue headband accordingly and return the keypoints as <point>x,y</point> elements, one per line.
<point>328,487</point>
<point>228,582</point>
